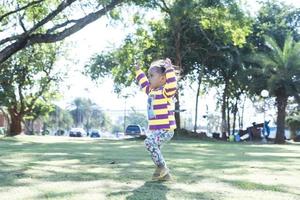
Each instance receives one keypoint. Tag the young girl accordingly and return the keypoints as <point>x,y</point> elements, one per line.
<point>160,88</point>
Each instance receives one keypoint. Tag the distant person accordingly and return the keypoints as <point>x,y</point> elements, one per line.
<point>160,88</point>
<point>267,129</point>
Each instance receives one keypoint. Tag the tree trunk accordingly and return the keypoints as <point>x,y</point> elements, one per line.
<point>197,101</point>
<point>235,110</point>
<point>177,113</point>
<point>224,123</point>
<point>228,115</point>
<point>7,120</point>
<point>178,59</point>
<point>281,101</point>
<point>15,124</point>
<point>241,116</point>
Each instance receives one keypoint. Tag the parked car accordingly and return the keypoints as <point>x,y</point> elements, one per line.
<point>95,134</point>
<point>77,132</point>
<point>59,132</point>
<point>134,130</point>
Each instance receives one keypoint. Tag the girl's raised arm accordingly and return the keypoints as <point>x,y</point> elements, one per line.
<point>142,80</point>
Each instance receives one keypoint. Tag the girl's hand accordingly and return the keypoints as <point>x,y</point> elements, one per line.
<point>168,63</point>
<point>137,66</point>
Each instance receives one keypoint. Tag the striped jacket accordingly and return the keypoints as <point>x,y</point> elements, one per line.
<point>159,104</point>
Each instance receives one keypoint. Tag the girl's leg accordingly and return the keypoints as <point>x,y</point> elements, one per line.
<point>153,143</point>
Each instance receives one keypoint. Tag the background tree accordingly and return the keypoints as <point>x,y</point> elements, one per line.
<point>137,119</point>
<point>98,119</point>
<point>276,20</point>
<point>88,115</point>
<point>281,67</point>
<point>185,35</point>
<point>40,110</point>
<point>57,119</point>
<point>26,79</point>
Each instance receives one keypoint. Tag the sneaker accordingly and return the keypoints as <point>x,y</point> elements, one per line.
<point>167,177</point>
<point>163,171</point>
<point>156,174</point>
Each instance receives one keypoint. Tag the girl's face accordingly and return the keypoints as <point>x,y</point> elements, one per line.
<point>156,78</point>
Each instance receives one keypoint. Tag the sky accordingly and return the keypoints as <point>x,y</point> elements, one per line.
<point>100,35</point>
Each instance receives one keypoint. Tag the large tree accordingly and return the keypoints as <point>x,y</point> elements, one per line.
<point>281,69</point>
<point>26,81</point>
<point>278,21</point>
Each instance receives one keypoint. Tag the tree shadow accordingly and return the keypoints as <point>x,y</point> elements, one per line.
<point>188,158</point>
<point>150,190</point>
<point>248,185</point>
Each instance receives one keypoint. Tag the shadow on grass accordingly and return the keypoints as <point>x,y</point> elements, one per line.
<point>128,160</point>
<point>54,195</point>
<point>85,156</point>
<point>152,190</point>
<point>149,190</point>
<point>247,185</point>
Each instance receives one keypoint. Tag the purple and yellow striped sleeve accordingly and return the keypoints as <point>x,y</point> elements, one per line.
<point>171,83</point>
<point>143,81</point>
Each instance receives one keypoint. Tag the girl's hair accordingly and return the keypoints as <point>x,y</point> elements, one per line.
<point>159,66</point>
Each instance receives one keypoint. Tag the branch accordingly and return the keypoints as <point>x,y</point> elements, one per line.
<point>21,23</point>
<point>19,9</point>
<point>50,16</point>
<point>21,97</point>
<point>30,39</point>
<point>163,7</point>
<point>22,39</point>
<point>80,23</point>
<point>211,42</point>
<point>44,87</point>
<point>21,82</point>
<point>60,25</point>
<point>11,38</point>
<point>165,4</point>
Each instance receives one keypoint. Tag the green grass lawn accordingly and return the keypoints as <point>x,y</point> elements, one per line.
<point>44,167</point>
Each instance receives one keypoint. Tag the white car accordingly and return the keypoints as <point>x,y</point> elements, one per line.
<point>77,132</point>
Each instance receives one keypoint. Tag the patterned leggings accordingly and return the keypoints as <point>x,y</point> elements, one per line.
<point>154,142</point>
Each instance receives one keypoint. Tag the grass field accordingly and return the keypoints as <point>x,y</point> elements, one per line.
<point>37,167</point>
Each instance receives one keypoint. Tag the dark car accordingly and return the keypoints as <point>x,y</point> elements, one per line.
<point>134,130</point>
<point>94,134</point>
<point>59,132</point>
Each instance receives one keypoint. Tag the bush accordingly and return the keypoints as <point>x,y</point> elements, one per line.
<point>190,134</point>
<point>293,123</point>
